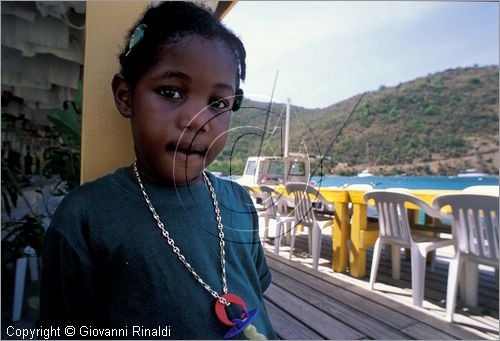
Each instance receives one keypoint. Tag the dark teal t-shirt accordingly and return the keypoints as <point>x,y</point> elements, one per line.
<point>107,267</point>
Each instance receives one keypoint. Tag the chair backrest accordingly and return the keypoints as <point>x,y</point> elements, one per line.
<point>489,190</point>
<point>475,223</point>
<point>392,213</point>
<point>304,196</point>
<point>273,201</point>
<point>254,195</point>
<point>359,186</point>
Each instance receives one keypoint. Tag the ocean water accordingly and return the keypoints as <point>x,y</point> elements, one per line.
<point>410,182</point>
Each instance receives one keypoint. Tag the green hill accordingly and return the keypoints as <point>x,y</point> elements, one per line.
<point>429,125</point>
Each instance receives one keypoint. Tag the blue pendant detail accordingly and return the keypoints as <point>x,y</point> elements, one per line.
<point>241,323</point>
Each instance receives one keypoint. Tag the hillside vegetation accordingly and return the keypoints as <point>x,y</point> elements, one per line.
<point>430,125</point>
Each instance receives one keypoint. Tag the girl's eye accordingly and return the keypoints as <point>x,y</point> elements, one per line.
<point>219,103</point>
<point>170,93</point>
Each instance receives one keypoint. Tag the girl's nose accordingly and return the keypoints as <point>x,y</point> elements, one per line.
<point>194,116</point>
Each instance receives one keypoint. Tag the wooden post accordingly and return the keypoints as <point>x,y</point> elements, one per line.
<point>340,236</point>
<point>358,251</point>
<point>106,136</point>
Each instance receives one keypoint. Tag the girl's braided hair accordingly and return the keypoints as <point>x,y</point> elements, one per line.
<point>167,22</point>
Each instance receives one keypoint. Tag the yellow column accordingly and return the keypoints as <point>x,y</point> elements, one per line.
<point>106,136</point>
<point>358,251</point>
<point>341,226</point>
<point>340,236</point>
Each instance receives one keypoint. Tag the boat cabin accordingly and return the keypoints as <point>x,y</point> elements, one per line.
<point>275,170</point>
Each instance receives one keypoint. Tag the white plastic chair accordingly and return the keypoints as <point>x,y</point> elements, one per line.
<point>44,201</point>
<point>359,186</point>
<point>277,208</point>
<point>262,211</point>
<point>255,196</point>
<point>475,228</point>
<point>306,215</point>
<point>395,230</point>
<point>29,261</point>
<point>488,190</point>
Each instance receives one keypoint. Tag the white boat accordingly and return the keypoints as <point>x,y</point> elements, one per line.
<point>471,173</point>
<point>365,173</point>
<point>474,172</point>
<point>276,170</point>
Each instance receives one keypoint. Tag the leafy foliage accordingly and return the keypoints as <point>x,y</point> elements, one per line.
<point>434,115</point>
<point>64,159</point>
<point>27,231</point>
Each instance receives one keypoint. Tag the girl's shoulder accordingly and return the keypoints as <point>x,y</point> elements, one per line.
<point>99,191</point>
<point>227,185</point>
<point>102,185</point>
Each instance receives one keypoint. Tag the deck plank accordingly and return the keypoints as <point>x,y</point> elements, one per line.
<point>339,291</point>
<point>396,315</point>
<point>437,293</point>
<point>421,331</point>
<point>367,325</point>
<point>328,327</point>
<point>287,327</point>
<point>436,281</point>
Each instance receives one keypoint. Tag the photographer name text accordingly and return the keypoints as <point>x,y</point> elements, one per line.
<point>47,333</point>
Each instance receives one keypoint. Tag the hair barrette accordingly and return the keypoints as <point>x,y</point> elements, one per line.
<point>136,37</point>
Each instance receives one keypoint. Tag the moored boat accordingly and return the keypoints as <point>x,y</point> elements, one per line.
<point>471,173</point>
<point>365,173</point>
<point>277,170</point>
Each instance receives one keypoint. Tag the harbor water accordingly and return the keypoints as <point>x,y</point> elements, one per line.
<point>410,182</point>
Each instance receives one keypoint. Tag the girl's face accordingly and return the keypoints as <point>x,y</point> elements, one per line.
<point>180,110</point>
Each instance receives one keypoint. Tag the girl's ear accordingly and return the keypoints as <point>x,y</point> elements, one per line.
<point>238,99</point>
<point>122,94</point>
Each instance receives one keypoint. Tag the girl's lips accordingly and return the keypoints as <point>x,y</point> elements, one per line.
<point>185,148</point>
<point>183,156</point>
<point>186,152</point>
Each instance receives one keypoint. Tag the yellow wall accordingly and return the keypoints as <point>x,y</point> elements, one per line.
<point>106,135</point>
<point>106,138</point>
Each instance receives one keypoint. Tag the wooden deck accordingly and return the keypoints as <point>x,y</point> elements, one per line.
<point>308,304</point>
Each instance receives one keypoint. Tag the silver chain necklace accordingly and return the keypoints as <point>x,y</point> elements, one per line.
<point>177,251</point>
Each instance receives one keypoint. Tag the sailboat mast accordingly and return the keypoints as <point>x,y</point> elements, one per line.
<point>367,156</point>
<point>287,126</point>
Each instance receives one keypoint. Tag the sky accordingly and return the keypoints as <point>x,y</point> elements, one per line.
<point>328,51</point>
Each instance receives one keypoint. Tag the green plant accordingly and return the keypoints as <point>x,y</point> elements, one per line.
<point>12,182</point>
<point>27,231</point>
<point>64,160</point>
<point>473,81</point>
<point>23,232</point>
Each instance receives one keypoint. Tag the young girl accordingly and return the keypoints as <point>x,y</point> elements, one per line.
<point>163,249</point>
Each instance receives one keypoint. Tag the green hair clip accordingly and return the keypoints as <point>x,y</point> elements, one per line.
<point>136,37</point>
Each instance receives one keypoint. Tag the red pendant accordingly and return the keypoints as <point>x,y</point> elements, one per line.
<point>220,308</point>
<point>237,324</point>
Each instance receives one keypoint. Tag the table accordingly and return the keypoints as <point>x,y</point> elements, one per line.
<point>358,230</point>
<point>362,233</point>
